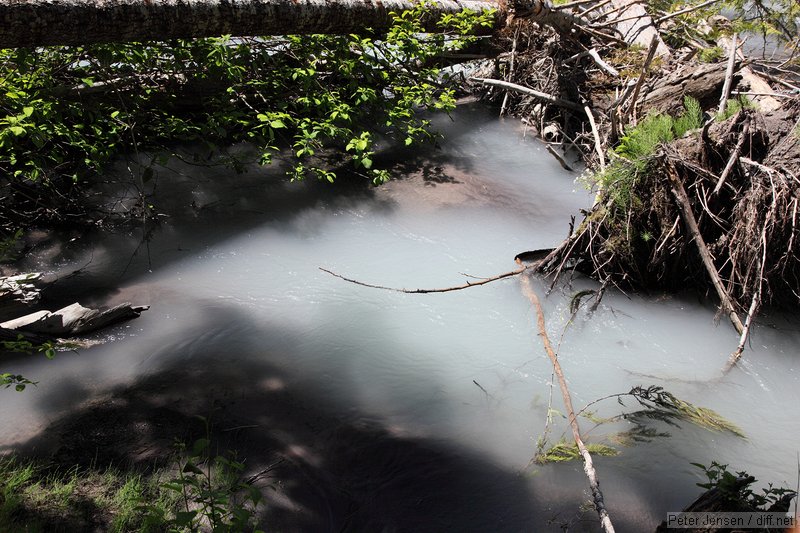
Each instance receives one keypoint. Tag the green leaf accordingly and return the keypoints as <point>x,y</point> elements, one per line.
<point>17,130</point>
<point>200,446</point>
<point>27,111</point>
<point>277,124</point>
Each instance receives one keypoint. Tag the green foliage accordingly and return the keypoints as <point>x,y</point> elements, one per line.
<point>17,381</point>
<point>636,147</point>
<point>20,345</point>
<point>33,497</point>
<point>654,405</point>
<point>659,404</point>
<point>66,111</point>
<point>8,245</point>
<point>733,106</point>
<point>735,489</point>
<point>712,54</point>
<point>210,492</point>
<point>206,494</point>
<point>564,451</point>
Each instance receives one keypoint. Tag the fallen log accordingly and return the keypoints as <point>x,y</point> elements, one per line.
<point>701,82</point>
<point>17,293</point>
<point>72,320</point>
<point>13,336</point>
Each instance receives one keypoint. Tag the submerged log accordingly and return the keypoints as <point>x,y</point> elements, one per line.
<point>72,320</point>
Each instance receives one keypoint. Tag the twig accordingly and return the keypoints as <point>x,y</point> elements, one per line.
<point>585,12</point>
<point>570,5</point>
<point>732,159</point>
<point>526,90</point>
<point>510,70</point>
<point>667,236</point>
<point>588,465</point>
<point>776,79</point>
<point>765,168</point>
<point>602,64</point>
<point>779,95</point>
<point>737,354</point>
<point>651,53</point>
<point>558,157</point>
<point>598,146</point>
<point>726,88</point>
<point>684,11</point>
<point>428,291</point>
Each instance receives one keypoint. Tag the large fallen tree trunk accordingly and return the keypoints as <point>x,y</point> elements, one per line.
<point>74,22</point>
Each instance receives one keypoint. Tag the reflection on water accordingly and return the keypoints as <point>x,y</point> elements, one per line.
<point>406,412</point>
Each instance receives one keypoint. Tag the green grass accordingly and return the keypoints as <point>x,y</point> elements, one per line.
<point>33,499</point>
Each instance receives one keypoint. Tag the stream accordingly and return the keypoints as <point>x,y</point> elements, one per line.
<point>403,412</point>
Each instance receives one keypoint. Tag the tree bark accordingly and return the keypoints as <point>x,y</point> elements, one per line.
<point>77,22</point>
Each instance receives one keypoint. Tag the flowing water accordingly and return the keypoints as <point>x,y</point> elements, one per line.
<point>403,412</point>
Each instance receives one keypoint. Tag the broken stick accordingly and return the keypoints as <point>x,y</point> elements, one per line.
<point>588,465</point>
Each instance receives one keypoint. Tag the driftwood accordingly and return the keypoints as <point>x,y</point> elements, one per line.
<point>702,82</point>
<point>18,293</point>
<point>530,92</point>
<point>72,320</point>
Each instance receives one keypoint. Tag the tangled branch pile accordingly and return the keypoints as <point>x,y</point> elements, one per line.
<point>663,158</point>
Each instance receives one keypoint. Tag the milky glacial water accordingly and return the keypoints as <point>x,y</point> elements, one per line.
<point>409,412</point>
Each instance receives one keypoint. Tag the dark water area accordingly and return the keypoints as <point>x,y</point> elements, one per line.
<point>368,410</point>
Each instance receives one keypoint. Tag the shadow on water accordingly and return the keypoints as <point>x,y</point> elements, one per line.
<point>331,472</point>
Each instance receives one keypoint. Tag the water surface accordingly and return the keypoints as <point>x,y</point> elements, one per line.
<point>403,412</point>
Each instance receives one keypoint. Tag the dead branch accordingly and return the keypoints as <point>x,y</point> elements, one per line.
<point>561,160</point>
<point>651,53</point>
<point>732,159</point>
<point>685,10</point>
<point>530,92</point>
<point>467,285</point>
<point>685,208</point>
<point>726,88</point>
<point>598,145</point>
<point>510,70</point>
<point>588,464</point>
<point>602,64</point>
